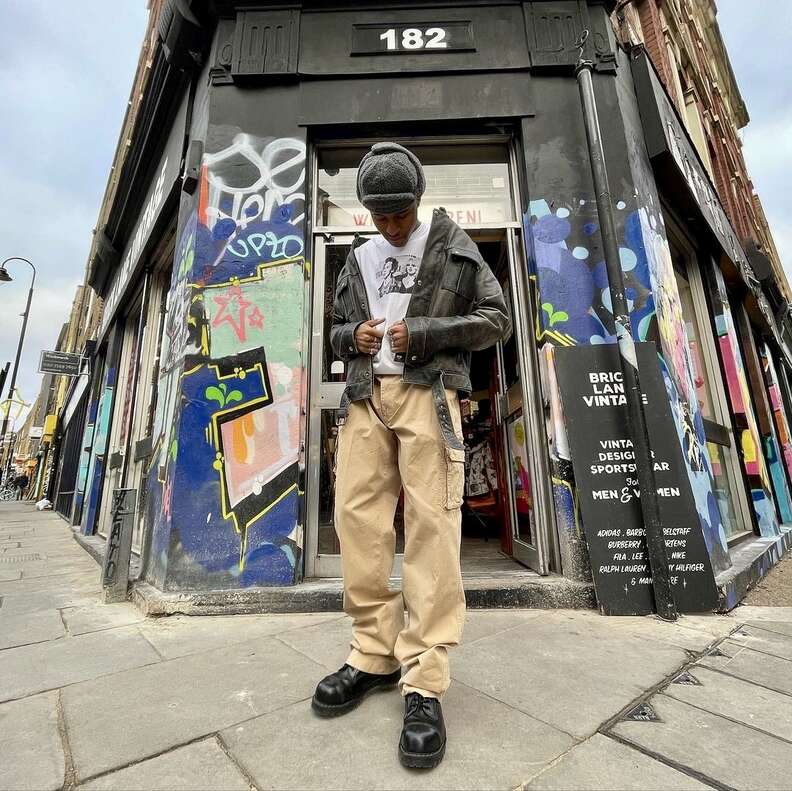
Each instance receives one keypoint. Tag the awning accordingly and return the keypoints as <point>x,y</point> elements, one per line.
<point>679,168</point>
<point>73,398</point>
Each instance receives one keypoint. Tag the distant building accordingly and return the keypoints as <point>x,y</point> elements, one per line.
<point>683,40</point>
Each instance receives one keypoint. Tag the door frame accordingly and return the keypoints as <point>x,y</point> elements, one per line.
<point>322,395</point>
<point>536,557</point>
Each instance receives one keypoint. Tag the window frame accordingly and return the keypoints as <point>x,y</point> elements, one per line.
<point>719,431</point>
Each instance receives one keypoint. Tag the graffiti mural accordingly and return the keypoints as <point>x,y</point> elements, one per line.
<point>569,269</point>
<point>742,410</point>
<point>781,462</point>
<point>228,423</point>
<point>96,464</point>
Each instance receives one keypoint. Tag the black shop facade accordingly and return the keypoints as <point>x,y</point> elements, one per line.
<point>238,459</point>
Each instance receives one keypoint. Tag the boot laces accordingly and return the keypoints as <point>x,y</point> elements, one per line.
<point>418,704</point>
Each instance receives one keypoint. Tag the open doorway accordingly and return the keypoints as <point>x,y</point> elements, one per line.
<point>499,527</point>
<point>508,505</point>
<point>499,502</point>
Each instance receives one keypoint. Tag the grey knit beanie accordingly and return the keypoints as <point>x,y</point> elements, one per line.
<point>389,178</point>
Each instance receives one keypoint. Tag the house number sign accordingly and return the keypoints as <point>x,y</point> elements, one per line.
<point>413,38</point>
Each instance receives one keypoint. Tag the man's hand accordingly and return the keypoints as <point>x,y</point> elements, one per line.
<point>398,337</point>
<point>368,338</point>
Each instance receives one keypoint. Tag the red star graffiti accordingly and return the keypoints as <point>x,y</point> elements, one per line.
<point>256,318</point>
<point>233,308</point>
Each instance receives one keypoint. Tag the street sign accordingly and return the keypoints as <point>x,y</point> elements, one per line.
<point>60,363</point>
<point>36,432</point>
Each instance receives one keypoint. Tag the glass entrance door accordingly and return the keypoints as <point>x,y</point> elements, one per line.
<point>520,414</point>
<point>328,377</point>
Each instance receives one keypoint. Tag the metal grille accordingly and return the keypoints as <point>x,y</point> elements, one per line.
<point>63,503</point>
<point>69,459</point>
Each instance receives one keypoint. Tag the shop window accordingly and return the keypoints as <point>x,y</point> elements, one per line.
<point>781,461</point>
<point>142,328</point>
<point>710,389</point>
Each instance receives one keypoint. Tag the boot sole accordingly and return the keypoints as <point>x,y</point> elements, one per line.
<point>336,710</point>
<point>421,760</point>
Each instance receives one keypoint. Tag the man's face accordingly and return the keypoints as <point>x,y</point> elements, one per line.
<point>396,228</point>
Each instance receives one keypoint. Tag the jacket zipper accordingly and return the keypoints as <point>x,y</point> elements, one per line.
<point>367,306</point>
<point>435,213</point>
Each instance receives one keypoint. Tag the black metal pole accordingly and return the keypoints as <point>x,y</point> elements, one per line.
<point>3,375</point>
<point>636,417</point>
<point>12,385</point>
<point>9,459</point>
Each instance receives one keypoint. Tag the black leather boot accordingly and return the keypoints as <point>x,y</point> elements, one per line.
<point>423,738</point>
<point>343,690</point>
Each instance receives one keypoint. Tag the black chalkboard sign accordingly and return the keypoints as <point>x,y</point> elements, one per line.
<point>595,411</point>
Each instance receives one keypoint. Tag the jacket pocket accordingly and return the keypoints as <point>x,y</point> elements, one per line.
<point>455,477</point>
<point>345,300</point>
<point>459,274</point>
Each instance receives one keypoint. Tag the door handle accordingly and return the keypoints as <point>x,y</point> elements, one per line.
<point>501,407</point>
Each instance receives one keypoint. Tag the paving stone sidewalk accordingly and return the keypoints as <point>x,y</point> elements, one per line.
<point>95,696</point>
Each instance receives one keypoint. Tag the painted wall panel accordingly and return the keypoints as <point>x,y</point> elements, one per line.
<point>742,410</point>
<point>568,265</point>
<point>228,428</point>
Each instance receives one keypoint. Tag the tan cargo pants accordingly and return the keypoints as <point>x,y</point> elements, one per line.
<point>389,442</point>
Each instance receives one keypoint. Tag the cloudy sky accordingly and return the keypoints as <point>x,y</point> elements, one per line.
<point>65,77</point>
<point>757,39</point>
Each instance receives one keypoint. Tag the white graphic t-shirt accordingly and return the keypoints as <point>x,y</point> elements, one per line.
<point>389,274</point>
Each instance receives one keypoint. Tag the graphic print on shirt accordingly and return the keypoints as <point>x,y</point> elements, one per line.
<point>397,274</point>
<point>390,275</point>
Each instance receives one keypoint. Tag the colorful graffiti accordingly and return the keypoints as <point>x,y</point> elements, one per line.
<point>740,399</point>
<point>228,423</point>
<point>98,454</point>
<point>781,464</point>
<point>567,264</point>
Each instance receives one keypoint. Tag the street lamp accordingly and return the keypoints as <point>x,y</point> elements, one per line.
<point>6,278</point>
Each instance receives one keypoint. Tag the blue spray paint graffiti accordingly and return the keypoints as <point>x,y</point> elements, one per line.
<point>570,273</point>
<point>229,425</point>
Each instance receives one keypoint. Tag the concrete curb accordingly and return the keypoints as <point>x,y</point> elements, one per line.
<point>751,562</point>
<point>93,545</point>
<point>507,591</point>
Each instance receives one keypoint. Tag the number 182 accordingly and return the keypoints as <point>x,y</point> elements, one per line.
<point>415,38</point>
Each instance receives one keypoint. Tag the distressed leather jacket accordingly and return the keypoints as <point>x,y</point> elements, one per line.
<point>456,307</point>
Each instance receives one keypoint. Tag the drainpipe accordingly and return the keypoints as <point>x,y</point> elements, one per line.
<point>636,417</point>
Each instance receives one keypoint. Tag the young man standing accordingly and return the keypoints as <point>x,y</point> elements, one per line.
<point>410,306</point>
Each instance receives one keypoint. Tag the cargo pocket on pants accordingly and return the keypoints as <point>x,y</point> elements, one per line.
<point>455,477</point>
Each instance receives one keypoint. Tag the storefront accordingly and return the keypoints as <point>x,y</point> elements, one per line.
<point>734,346</point>
<point>70,437</point>
<point>121,396</point>
<point>217,399</point>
